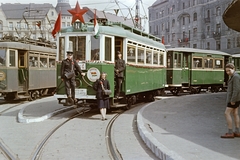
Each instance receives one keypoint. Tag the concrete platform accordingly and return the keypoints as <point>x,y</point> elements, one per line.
<point>188,127</point>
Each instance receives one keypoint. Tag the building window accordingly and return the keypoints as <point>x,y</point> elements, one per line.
<point>18,25</point>
<point>68,23</point>
<point>52,13</point>
<point>162,13</point>
<point>218,11</point>
<point>195,17</point>
<point>173,37</point>
<point>183,5</point>
<point>173,8</point>
<point>150,29</point>
<point>218,28</point>
<point>208,30</point>
<point>10,25</point>
<point>63,24</point>
<point>208,45</point>
<point>194,45</point>
<point>183,21</point>
<point>194,2</point>
<point>238,41</point>
<point>208,13</point>
<point>228,43</point>
<point>194,32</point>
<point>218,45</point>
<point>156,29</point>
<point>173,23</point>
<point>234,42</point>
<point>1,25</point>
<point>157,15</point>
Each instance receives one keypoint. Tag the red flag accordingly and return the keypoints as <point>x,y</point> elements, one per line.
<point>162,39</point>
<point>57,25</point>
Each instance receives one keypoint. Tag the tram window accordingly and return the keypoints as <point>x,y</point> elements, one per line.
<point>33,61</point>
<point>12,58</point>
<point>108,48</point>
<point>51,63</point>
<point>161,59</point>
<point>169,60</point>
<point>131,56</point>
<point>197,62</point>
<point>2,57</point>
<point>140,55</point>
<point>185,62</point>
<point>95,48</point>
<point>78,46</point>
<point>43,63</point>
<point>149,57</point>
<point>21,59</point>
<point>218,63</point>
<point>155,58</point>
<point>208,63</point>
<point>177,60</point>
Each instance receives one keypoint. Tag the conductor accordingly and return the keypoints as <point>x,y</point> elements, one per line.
<point>69,65</point>
<point>119,70</point>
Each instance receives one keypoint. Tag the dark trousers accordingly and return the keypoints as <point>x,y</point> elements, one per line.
<point>119,85</point>
<point>70,85</point>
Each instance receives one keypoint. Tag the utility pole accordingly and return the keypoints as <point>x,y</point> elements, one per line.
<point>137,16</point>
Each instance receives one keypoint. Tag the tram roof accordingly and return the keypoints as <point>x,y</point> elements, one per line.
<point>194,50</point>
<point>23,46</point>
<point>236,55</point>
<point>120,30</point>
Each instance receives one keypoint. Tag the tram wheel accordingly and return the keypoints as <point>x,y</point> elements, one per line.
<point>34,95</point>
<point>129,103</point>
<point>174,92</point>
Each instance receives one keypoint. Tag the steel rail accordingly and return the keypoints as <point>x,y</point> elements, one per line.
<point>36,155</point>
<point>112,150</point>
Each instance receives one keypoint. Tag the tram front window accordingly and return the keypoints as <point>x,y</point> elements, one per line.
<point>2,57</point>
<point>78,47</point>
<point>95,48</point>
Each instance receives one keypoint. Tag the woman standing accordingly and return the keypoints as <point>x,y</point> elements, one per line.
<point>233,101</point>
<point>102,100</point>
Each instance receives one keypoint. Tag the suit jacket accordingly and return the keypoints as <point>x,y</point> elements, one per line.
<point>120,66</point>
<point>98,88</point>
<point>233,91</point>
<point>67,67</point>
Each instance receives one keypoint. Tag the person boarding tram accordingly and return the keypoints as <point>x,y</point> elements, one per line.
<point>119,70</point>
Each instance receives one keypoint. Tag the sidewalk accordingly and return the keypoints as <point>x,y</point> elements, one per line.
<point>188,127</point>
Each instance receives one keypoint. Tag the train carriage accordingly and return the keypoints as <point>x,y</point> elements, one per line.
<point>27,69</point>
<point>144,54</point>
<point>195,69</point>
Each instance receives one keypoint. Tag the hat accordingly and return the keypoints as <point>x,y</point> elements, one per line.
<point>230,65</point>
<point>69,53</point>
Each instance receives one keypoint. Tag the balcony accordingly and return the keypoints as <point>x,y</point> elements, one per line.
<point>216,35</point>
<point>207,20</point>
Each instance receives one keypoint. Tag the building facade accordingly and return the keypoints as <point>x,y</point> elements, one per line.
<point>194,24</point>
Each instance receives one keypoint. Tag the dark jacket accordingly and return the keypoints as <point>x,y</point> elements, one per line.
<point>98,88</point>
<point>119,65</point>
<point>67,67</point>
<point>233,91</point>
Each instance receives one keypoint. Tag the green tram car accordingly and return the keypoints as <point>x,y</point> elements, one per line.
<point>236,62</point>
<point>144,55</point>
<point>191,70</point>
<point>27,69</point>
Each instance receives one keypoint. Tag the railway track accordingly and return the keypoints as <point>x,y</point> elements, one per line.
<point>113,152</point>
<point>37,153</point>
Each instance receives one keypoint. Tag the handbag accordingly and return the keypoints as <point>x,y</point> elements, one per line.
<point>106,92</point>
<point>69,75</point>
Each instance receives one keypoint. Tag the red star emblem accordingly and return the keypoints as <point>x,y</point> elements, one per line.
<point>77,13</point>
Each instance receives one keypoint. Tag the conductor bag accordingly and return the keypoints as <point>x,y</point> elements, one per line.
<point>69,75</point>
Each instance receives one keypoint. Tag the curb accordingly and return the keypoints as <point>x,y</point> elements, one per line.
<point>23,119</point>
<point>153,144</point>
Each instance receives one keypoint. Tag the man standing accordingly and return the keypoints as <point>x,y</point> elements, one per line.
<point>119,70</point>
<point>68,66</point>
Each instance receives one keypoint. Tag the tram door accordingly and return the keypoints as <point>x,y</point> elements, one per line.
<point>185,70</point>
<point>119,47</point>
<point>22,70</point>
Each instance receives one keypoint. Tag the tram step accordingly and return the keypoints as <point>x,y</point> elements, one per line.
<point>118,105</point>
<point>23,96</point>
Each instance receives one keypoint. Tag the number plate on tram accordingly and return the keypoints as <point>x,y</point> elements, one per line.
<point>81,92</point>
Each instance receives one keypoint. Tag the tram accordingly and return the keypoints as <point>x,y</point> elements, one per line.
<point>27,69</point>
<point>195,69</point>
<point>144,54</point>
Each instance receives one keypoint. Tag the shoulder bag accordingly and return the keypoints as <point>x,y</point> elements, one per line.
<point>106,92</point>
<point>69,75</point>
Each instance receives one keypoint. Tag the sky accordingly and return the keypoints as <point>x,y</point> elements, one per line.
<point>106,5</point>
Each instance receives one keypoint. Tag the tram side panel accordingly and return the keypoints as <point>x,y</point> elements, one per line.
<point>139,79</point>
<point>9,80</point>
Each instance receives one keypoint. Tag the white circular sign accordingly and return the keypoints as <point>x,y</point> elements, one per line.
<point>93,74</point>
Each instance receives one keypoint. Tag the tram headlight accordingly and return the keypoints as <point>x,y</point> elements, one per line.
<point>2,76</point>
